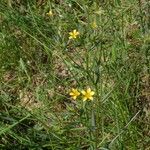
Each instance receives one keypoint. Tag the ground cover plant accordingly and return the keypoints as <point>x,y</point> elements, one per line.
<point>74,74</point>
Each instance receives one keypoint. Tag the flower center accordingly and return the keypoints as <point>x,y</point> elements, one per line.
<point>87,95</point>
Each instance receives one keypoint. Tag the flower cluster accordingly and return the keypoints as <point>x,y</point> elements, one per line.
<point>86,94</point>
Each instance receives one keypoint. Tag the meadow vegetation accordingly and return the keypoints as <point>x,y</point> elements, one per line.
<point>75,74</point>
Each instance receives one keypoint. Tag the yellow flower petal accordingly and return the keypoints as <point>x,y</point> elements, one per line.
<point>74,97</point>
<point>84,98</point>
<point>70,33</point>
<point>71,93</point>
<point>83,92</point>
<point>91,98</point>
<point>88,90</point>
<point>92,93</point>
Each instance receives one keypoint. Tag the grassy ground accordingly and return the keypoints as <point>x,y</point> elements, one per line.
<point>40,65</point>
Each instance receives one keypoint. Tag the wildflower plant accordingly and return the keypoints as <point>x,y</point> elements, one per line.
<point>87,114</point>
<point>106,45</point>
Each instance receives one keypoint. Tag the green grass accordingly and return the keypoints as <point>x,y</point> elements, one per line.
<point>40,65</point>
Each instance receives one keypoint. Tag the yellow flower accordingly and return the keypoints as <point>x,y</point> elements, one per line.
<point>88,94</point>
<point>73,34</point>
<point>74,93</point>
<point>50,13</point>
<point>94,25</point>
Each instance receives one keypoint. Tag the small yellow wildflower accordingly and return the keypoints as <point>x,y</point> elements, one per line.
<point>94,25</point>
<point>73,34</point>
<point>50,13</point>
<point>88,94</point>
<point>74,93</point>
